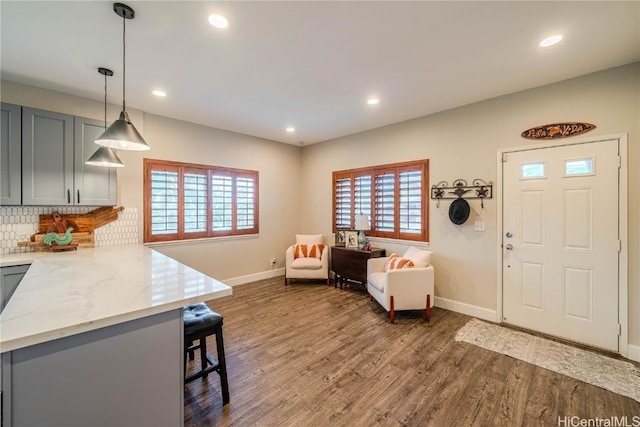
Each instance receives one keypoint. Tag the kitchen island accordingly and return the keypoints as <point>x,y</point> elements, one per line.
<point>94,337</point>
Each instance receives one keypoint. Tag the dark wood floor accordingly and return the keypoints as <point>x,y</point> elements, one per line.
<point>311,355</point>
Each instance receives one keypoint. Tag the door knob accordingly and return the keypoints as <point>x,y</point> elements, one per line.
<point>508,246</point>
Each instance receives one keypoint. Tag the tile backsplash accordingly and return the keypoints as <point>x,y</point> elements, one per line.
<point>18,223</point>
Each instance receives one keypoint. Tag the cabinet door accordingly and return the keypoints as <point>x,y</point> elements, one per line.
<point>94,185</point>
<point>10,167</point>
<point>47,158</point>
<point>10,278</point>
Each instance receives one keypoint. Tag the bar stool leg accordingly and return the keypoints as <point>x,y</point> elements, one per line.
<point>191,352</point>
<point>222,367</point>
<point>203,356</point>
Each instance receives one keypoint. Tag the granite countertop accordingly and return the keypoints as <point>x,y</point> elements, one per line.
<point>67,293</point>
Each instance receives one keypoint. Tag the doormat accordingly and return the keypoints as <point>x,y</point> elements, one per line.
<point>618,376</point>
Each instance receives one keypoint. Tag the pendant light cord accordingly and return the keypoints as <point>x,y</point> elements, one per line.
<point>124,63</point>
<point>105,101</point>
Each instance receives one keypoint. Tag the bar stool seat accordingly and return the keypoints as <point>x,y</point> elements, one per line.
<point>199,323</point>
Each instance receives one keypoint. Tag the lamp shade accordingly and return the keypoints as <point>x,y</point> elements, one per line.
<point>123,135</point>
<point>362,222</point>
<point>105,157</point>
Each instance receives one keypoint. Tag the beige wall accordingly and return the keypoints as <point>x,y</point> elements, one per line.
<point>463,143</point>
<point>295,184</point>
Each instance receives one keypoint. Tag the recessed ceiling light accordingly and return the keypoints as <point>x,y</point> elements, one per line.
<point>373,101</point>
<point>218,21</point>
<point>550,41</point>
<point>160,93</point>
<point>290,129</point>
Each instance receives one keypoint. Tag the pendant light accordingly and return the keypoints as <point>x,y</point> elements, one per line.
<point>122,134</point>
<point>105,156</point>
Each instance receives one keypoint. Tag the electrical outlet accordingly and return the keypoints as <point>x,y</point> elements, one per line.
<point>273,261</point>
<point>479,226</point>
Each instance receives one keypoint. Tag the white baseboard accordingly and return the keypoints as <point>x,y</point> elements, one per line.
<point>468,309</point>
<point>240,280</point>
<point>633,352</point>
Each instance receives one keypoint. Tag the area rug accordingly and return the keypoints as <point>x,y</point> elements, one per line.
<point>618,376</point>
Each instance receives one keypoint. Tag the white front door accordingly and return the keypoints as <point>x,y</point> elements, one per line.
<point>560,241</point>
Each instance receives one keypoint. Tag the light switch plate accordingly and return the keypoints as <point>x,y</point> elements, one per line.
<point>478,226</point>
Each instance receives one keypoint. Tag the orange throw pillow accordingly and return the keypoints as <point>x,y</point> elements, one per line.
<point>308,251</point>
<point>395,262</point>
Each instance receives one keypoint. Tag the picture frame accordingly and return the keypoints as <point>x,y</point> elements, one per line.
<point>340,236</point>
<point>351,239</point>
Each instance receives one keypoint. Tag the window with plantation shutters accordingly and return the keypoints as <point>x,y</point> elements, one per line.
<point>186,201</point>
<point>394,197</point>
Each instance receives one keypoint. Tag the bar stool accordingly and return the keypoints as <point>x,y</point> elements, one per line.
<point>200,322</point>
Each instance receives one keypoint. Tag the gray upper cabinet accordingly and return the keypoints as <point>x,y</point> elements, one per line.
<point>10,167</point>
<point>94,185</point>
<point>54,149</point>
<point>47,158</point>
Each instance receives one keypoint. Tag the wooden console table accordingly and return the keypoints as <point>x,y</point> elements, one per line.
<point>350,265</point>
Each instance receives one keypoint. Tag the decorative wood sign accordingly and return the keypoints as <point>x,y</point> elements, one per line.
<point>557,130</point>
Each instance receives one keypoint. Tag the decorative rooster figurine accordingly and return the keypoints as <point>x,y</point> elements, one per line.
<point>59,226</point>
<point>53,238</point>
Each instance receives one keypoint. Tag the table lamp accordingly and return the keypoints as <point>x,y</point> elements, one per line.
<point>362,224</point>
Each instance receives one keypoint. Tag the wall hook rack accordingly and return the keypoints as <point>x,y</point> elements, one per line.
<point>479,189</point>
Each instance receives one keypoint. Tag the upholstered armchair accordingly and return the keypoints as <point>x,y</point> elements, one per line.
<point>402,283</point>
<point>307,259</point>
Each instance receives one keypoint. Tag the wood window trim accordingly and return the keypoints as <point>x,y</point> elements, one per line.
<point>395,169</point>
<point>181,168</point>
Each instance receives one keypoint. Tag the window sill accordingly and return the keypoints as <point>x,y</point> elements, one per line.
<point>203,240</point>
<point>406,243</point>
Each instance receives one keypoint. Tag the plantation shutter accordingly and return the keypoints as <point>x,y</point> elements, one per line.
<point>195,201</point>
<point>164,200</point>
<point>410,203</point>
<point>342,200</point>
<point>245,202</point>
<point>385,198</point>
<point>222,201</point>
<point>362,195</point>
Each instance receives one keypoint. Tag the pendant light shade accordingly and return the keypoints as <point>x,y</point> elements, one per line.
<point>105,156</point>
<point>122,134</point>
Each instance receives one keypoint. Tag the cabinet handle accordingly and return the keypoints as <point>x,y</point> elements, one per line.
<point>68,196</point>
<point>78,196</point>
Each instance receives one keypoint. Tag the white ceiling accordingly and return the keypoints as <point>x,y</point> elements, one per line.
<point>311,65</point>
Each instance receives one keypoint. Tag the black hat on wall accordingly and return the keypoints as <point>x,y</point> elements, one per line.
<point>459,211</point>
